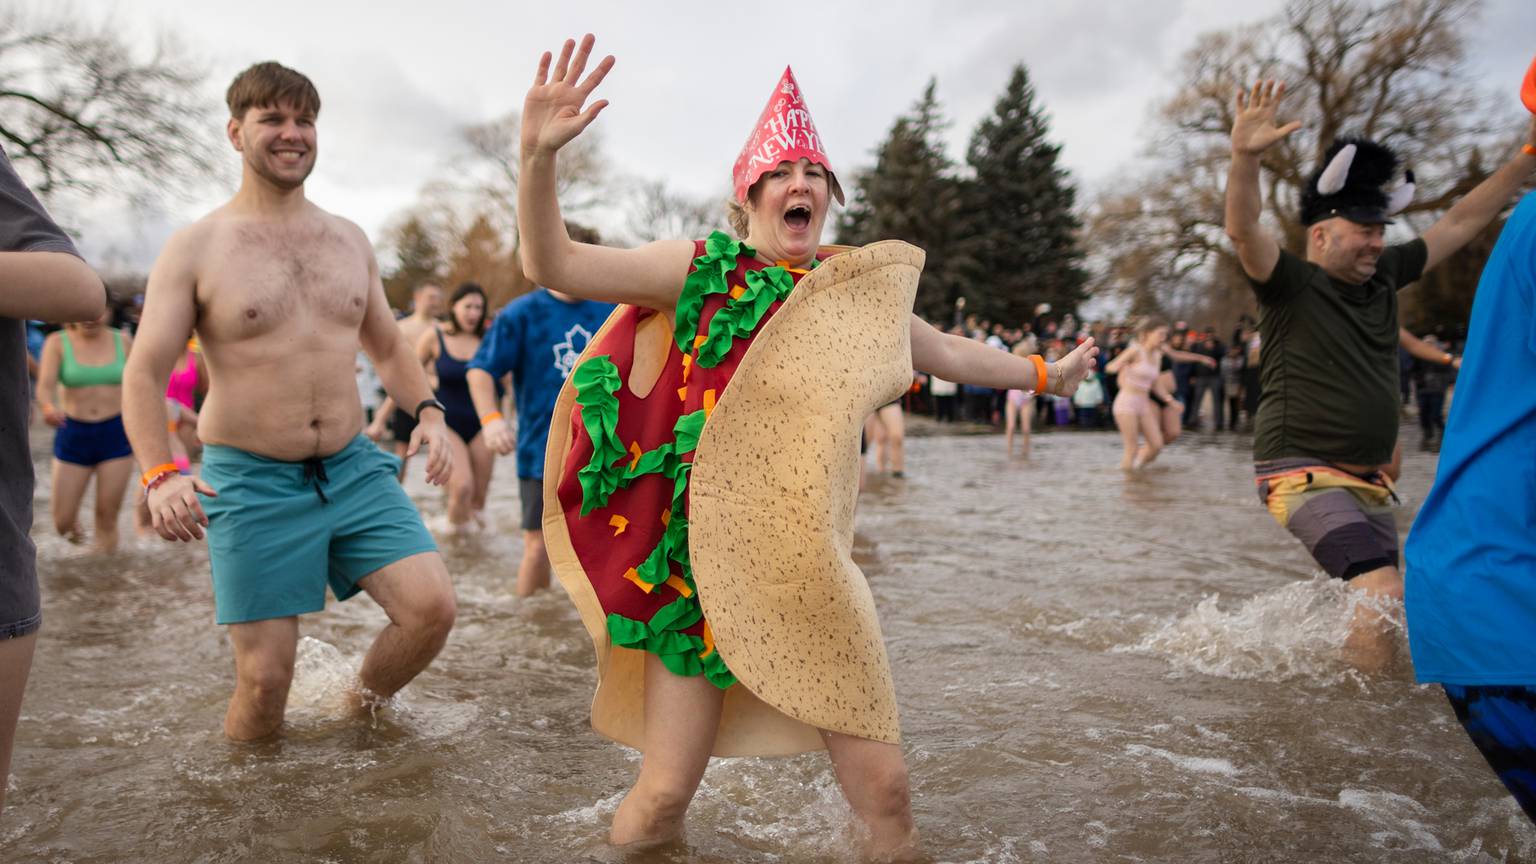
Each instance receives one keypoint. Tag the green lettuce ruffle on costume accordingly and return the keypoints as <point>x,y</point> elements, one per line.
<point>596,381</point>
<point>715,669</point>
<point>708,277</point>
<point>741,315</point>
<point>663,635</point>
<point>678,651</point>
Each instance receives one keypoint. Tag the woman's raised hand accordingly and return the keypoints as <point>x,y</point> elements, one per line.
<point>553,111</point>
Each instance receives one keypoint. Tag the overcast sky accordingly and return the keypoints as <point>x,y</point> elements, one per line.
<point>399,79</point>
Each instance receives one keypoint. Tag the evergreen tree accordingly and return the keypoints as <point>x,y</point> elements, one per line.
<point>417,260</point>
<point>911,194</point>
<point>1020,245</point>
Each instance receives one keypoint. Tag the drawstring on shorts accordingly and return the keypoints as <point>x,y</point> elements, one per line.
<point>314,472</point>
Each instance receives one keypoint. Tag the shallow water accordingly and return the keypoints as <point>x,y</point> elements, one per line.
<point>1090,668</point>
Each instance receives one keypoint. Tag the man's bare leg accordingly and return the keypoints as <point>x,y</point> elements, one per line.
<point>1371,646</point>
<point>15,663</point>
<point>417,596</point>
<point>873,777</point>
<point>682,716</point>
<point>264,656</point>
<point>533,570</point>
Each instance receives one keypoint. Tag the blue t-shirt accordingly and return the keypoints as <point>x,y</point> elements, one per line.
<point>1471,580</point>
<point>537,338</point>
<point>35,339</point>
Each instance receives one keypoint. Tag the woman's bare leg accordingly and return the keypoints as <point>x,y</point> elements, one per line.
<point>1172,417</point>
<point>68,490</point>
<point>1128,422</point>
<point>461,485</point>
<point>111,486</point>
<point>1010,420</point>
<point>482,463</point>
<point>1152,430</point>
<point>894,451</point>
<point>874,439</point>
<point>873,777</point>
<point>682,715</point>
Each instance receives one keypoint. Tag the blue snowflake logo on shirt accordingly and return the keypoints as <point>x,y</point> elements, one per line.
<point>566,352</point>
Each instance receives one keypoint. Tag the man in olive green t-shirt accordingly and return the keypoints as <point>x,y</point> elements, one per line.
<point>1328,412</point>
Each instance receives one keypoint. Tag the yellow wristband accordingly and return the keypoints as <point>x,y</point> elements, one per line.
<point>489,416</point>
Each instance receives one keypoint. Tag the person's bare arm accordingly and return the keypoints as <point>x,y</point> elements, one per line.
<point>956,358</point>
<point>553,115</point>
<point>170,312</point>
<point>48,381</point>
<point>497,432</point>
<point>49,286</point>
<point>1478,208</point>
<point>1130,353</point>
<point>1424,351</point>
<point>1254,131</point>
<point>1189,357</point>
<point>401,373</point>
<point>426,352</point>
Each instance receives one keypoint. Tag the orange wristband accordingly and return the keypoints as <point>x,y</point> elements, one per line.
<point>158,470</point>
<point>1528,149</point>
<point>489,416</point>
<point>1042,373</point>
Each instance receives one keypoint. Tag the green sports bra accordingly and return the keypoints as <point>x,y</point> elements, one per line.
<point>73,374</point>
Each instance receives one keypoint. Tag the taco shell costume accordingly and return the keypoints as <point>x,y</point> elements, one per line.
<point>702,472</point>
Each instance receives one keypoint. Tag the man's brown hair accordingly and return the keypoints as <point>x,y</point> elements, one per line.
<point>270,84</point>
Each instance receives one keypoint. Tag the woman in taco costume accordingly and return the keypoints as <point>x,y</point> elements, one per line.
<point>703,464</point>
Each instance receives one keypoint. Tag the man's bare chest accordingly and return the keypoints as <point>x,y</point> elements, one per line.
<point>254,282</point>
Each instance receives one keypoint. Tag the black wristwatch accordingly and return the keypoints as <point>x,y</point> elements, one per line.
<point>430,403</point>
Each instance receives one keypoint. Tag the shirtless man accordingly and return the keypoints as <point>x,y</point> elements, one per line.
<point>426,305</point>
<point>1328,413</point>
<point>281,294</point>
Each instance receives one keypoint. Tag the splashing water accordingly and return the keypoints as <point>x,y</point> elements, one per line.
<point>323,679</point>
<point>1295,631</point>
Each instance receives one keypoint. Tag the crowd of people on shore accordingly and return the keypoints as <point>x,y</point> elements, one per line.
<point>1220,395</point>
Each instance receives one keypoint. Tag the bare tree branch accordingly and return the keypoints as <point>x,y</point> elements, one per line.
<point>88,113</point>
<point>1389,70</point>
